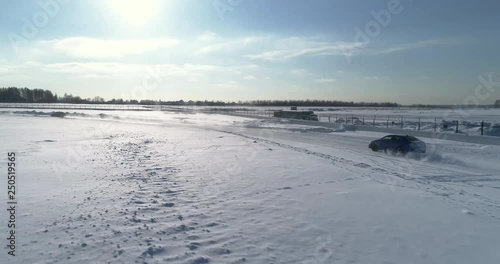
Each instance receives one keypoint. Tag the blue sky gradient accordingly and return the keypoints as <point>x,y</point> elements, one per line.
<point>432,52</point>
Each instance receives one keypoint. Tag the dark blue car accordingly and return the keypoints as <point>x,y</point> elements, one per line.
<point>398,143</point>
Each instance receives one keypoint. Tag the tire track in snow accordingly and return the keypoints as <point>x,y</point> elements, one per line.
<point>442,189</point>
<point>421,183</point>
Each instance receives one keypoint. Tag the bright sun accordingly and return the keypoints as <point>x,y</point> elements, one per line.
<point>135,12</point>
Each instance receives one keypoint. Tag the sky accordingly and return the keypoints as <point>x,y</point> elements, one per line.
<point>405,51</point>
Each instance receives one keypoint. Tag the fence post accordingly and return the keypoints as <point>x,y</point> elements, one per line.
<point>352,119</point>
<point>387,122</point>
<point>328,118</point>
<point>374,117</point>
<point>419,123</point>
<point>482,128</point>
<point>363,120</point>
<point>456,130</point>
<point>401,122</point>
<point>435,124</point>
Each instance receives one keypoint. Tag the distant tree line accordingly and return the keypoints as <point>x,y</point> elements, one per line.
<point>496,105</point>
<point>431,106</point>
<point>25,95</point>
<point>319,103</point>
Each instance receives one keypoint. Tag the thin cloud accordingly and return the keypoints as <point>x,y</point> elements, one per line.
<point>300,72</point>
<point>325,80</point>
<point>118,69</point>
<point>249,78</point>
<point>271,48</point>
<point>377,78</point>
<point>222,44</point>
<point>207,36</point>
<point>94,48</point>
<point>302,50</point>
<point>6,71</point>
<point>230,84</point>
<point>413,46</point>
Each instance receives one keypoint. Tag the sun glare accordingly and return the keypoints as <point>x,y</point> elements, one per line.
<point>135,12</point>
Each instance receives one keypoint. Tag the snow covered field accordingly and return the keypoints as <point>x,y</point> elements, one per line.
<point>163,187</point>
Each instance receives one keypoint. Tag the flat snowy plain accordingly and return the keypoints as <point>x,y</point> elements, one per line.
<point>163,187</point>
